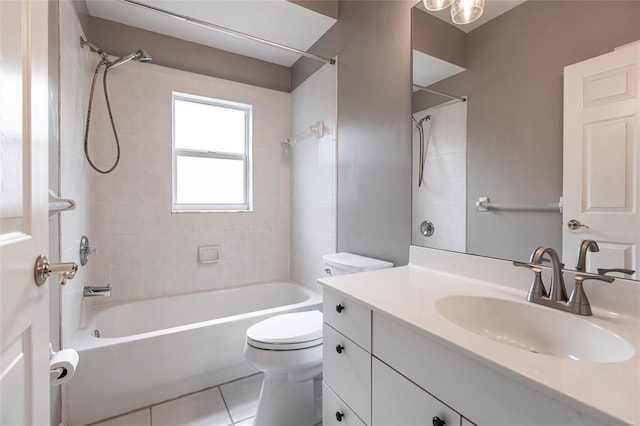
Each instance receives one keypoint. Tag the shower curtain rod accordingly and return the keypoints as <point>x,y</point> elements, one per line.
<point>229,31</point>
<point>435,92</point>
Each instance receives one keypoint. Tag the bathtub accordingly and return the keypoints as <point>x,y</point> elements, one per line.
<point>153,350</point>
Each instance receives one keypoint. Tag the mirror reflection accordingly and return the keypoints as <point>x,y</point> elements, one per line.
<point>488,172</point>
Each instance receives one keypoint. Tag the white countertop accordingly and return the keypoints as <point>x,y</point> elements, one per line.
<point>607,391</point>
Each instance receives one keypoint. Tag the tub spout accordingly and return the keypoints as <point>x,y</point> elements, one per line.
<point>91,291</point>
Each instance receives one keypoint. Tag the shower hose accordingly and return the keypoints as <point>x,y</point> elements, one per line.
<point>113,126</point>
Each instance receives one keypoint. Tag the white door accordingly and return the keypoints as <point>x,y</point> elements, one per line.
<point>601,186</point>
<point>24,307</point>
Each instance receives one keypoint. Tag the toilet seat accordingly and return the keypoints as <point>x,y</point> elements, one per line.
<point>299,330</point>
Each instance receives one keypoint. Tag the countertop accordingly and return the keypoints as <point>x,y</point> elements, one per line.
<point>607,391</point>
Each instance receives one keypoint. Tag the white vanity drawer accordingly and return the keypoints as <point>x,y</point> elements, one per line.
<point>335,412</point>
<point>399,402</point>
<point>349,317</point>
<point>347,370</point>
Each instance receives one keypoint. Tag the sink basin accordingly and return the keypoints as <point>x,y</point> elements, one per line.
<point>535,329</point>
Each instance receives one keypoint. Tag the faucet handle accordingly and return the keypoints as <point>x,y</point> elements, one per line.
<point>578,300</point>
<point>580,278</point>
<point>534,267</point>
<point>604,271</point>
<point>537,290</point>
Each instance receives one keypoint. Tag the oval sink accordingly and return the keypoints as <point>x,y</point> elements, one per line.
<point>535,329</point>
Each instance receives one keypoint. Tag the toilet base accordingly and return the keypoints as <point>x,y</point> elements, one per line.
<point>285,403</point>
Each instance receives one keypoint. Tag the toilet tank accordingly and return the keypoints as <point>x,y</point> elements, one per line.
<point>349,263</point>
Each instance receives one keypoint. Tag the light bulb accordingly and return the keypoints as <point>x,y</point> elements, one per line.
<point>466,11</point>
<point>434,5</point>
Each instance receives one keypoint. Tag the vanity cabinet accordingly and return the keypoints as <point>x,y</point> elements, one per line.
<point>349,317</point>
<point>359,389</point>
<point>397,401</point>
<point>335,412</point>
<point>480,393</point>
<point>378,371</point>
<point>346,359</point>
<point>347,370</point>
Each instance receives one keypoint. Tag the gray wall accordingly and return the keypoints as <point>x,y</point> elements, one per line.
<point>119,39</point>
<point>437,38</point>
<point>373,42</point>
<point>514,82</point>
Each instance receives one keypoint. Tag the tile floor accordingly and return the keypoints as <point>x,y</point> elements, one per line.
<point>230,404</point>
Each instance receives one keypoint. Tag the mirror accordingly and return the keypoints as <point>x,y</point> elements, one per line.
<point>505,143</point>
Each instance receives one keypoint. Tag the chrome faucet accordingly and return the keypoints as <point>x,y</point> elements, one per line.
<point>91,291</point>
<point>557,297</point>
<point>587,245</point>
<point>557,290</point>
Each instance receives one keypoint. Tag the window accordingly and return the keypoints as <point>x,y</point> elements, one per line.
<point>211,154</point>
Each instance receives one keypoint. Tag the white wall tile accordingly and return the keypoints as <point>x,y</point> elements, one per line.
<point>135,201</point>
<point>442,198</point>
<point>313,177</point>
<point>76,70</point>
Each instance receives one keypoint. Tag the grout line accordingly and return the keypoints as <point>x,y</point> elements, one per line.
<point>245,419</point>
<point>149,407</point>
<point>224,401</point>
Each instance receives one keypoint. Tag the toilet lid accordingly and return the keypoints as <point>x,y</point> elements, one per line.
<point>299,329</point>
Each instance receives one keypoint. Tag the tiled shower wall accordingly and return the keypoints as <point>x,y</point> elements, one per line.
<point>144,250</point>
<point>442,198</point>
<point>313,176</point>
<point>75,180</point>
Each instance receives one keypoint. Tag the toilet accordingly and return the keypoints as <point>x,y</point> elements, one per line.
<point>288,349</point>
<point>349,263</point>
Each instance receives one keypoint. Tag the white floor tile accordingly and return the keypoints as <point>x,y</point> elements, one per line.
<point>248,422</point>
<point>137,418</point>
<point>202,408</point>
<point>241,396</point>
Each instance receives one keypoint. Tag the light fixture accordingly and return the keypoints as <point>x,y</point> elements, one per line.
<point>462,11</point>
<point>434,5</point>
<point>466,11</point>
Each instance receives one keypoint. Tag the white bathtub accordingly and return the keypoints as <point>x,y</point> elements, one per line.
<point>153,350</point>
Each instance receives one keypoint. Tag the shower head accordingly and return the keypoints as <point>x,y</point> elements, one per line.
<point>141,55</point>
<point>419,122</point>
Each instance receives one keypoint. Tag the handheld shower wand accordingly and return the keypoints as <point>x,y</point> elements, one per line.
<point>140,55</point>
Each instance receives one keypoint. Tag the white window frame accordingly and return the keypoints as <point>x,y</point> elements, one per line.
<point>246,157</point>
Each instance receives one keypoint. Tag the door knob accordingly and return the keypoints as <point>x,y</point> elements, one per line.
<point>574,224</point>
<point>43,268</point>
